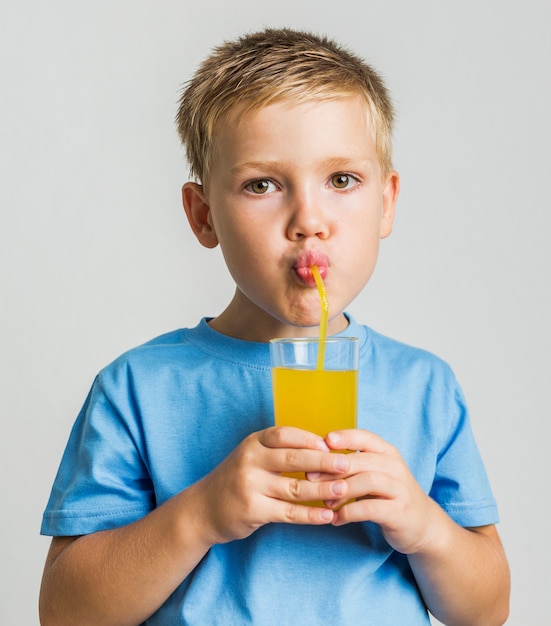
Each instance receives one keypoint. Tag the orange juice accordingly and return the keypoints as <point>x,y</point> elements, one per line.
<point>317,400</point>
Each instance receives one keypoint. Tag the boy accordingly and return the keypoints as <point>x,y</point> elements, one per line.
<point>170,506</point>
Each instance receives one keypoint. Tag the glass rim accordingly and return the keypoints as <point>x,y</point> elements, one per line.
<point>313,340</point>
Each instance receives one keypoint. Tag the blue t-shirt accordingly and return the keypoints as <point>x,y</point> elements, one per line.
<point>166,413</point>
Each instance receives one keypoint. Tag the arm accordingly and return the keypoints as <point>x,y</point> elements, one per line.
<point>122,576</point>
<point>462,573</point>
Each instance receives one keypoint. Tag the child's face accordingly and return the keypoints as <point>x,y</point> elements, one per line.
<point>292,186</point>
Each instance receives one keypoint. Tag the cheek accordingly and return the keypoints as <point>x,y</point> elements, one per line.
<point>248,260</point>
<point>361,249</point>
<point>363,234</point>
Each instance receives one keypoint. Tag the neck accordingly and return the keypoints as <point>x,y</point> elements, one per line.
<point>258,325</point>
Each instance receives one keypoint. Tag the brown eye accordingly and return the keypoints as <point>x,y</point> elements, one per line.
<point>340,181</point>
<point>259,187</point>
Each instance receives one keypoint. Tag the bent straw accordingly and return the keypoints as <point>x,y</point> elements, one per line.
<point>324,315</point>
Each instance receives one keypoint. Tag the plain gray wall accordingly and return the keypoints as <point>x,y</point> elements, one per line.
<point>96,255</point>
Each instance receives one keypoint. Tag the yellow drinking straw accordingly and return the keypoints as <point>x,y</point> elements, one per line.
<point>324,315</point>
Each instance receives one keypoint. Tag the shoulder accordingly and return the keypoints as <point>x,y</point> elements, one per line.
<point>411,379</point>
<point>184,354</point>
<point>152,357</point>
<point>403,356</point>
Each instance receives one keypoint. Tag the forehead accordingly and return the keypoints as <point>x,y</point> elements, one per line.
<point>300,135</point>
<point>289,99</point>
<point>284,111</point>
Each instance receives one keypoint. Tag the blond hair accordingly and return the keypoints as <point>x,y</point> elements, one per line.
<point>274,65</point>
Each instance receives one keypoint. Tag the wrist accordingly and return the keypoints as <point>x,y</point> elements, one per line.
<point>192,525</point>
<point>438,533</point>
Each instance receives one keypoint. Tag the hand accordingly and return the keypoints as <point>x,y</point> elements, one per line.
<point>385,490</point>
<point>247,489</point>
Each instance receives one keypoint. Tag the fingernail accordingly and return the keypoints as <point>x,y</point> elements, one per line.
<point>326,515</point>
<point>312,475</point>
<point>337,488</point>
<point>334,437</point>
<point>341,463</point>
<point>323,446</point>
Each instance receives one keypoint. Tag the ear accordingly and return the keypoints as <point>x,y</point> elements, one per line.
<point>198,214</point>
<point>390,196</point>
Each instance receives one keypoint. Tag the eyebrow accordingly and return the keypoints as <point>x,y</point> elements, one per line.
<point>256,165</point>
<point>347,162</point>
<point>333,163</point>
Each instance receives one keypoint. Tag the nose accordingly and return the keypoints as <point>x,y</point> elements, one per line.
<point>307,218</point>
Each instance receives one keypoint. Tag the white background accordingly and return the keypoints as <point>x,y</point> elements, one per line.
<point>96,255</point>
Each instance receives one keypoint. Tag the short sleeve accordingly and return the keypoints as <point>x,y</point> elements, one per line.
<point>461,484</point>
<point>103,481</point>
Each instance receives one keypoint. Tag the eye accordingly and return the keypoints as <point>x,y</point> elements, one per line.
<point>260,186</point>
<point>343,181</point>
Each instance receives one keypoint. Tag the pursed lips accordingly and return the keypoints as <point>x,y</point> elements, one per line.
<point>304,262</point>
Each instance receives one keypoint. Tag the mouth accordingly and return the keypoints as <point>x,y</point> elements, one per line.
<point>303,266</point>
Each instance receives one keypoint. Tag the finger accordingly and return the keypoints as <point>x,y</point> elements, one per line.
<point>294,513</point>
<point>347,468</point>
<point>361,510</point>
<point>370,485</point>
<point>362,462</point>
<point>291,437</point>
<point>357,439</point>
<point>381,479</point>
<point>296,489</point>
<point>308,461</point>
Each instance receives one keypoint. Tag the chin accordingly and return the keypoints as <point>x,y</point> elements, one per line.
<point>305,327</point>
